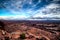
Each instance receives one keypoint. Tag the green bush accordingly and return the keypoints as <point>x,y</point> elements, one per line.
<point>22,36</point>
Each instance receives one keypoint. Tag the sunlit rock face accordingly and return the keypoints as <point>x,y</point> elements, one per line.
<point>30,9</point>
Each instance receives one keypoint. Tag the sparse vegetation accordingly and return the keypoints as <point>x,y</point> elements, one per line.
<point>29,31</point>
<point>22,36</point>
<point>7,38</point>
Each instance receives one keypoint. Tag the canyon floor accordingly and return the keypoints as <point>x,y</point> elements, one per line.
<point>29,31</point>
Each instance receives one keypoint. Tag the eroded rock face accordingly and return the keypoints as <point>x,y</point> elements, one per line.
<point>32,33</point>
<point>12,31</point>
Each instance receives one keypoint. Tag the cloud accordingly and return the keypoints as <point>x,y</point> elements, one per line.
<point>17,17</point>
<point>50,11</point>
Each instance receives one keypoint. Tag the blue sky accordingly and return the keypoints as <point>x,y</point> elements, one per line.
<point>29,9</point>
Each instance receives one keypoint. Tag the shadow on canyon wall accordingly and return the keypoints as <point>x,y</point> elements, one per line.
<point>2,25</point>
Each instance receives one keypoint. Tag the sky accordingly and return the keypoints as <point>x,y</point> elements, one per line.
<point>29,10</point>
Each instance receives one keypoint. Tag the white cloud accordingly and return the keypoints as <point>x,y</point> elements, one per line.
<point>52,5</point>
<point>17,17</point>
<point>48,11</point>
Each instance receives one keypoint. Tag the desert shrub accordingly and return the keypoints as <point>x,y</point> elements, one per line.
<point>7,38</point>
<point>22,36</point>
